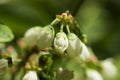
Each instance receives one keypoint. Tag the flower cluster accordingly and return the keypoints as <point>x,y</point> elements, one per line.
<point>53,48</point>
<point>58,38</point>
<point>56,51</point>
<point>65,40</point>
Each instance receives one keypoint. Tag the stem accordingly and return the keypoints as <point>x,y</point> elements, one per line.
<point>68,30</point>
<point>55,21</point>
<point>61,28</point>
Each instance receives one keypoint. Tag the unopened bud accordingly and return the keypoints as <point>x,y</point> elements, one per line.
<point>31,75</point>
<point>85,55</point>
<point>109,70</point>
<point>31,36</point>
<point>60,42</point>
<point>75,47</point>
<point>93,75</point>
<point>46,37</point>
<point>40,37</point>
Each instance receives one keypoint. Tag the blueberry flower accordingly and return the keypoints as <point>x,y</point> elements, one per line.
<point>60,42</point>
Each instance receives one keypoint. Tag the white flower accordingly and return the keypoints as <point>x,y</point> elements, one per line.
<point>31,36</point>
<point>75,46</point>
<point>31,75</point>
<point>40,37</point>
<point>109,70</point>
<point>93,75</point>
<point>46,37</point>
<point>60,42</point>
<point>77,49</point>
<point>85,55</point>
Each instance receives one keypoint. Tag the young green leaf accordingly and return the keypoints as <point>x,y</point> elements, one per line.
<point>5,34</point>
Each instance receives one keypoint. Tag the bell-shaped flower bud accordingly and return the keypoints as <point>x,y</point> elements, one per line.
<point>31,75</point>
<point>31,36</point>
<point>75,46</point>
<point>85,55</point>
<point>60,42</point>
<point>46,37</point>
<point>109,70</point>
<point>93,75</point>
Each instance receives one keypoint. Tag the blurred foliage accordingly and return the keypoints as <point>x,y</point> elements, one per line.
<point>98,19</point>
<point>5,34</point>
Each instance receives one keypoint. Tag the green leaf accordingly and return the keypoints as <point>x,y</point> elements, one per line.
<point>5,34</point>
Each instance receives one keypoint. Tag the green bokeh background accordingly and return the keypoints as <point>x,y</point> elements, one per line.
<point>98,19</point>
